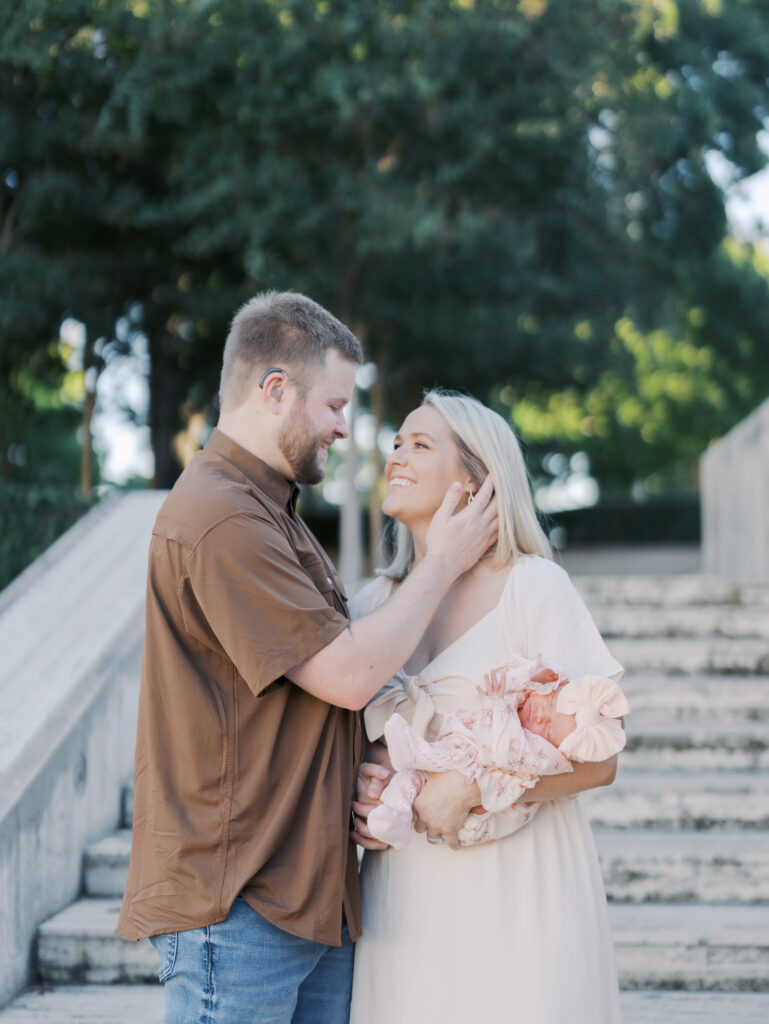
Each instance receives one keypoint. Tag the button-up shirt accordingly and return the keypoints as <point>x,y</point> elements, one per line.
<point>243,780</point>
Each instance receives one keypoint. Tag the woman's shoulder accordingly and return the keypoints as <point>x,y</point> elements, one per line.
<point>535,570</point>
<point>370,596</point>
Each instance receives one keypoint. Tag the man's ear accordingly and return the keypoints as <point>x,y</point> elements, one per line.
<point>273,391</point>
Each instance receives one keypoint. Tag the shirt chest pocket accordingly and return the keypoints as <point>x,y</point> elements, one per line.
<point>326,581</point>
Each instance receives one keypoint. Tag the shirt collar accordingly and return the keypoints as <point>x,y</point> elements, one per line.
<point>284,492</point>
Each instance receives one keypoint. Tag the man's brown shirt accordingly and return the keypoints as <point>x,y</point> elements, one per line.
<point>243,780</point>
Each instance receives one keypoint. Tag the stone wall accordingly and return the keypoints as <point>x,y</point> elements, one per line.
<point>734,488</point>
<point>71,631</point>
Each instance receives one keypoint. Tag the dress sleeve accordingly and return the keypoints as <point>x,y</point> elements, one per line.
<point>247,596</point>
<point>549,618</point>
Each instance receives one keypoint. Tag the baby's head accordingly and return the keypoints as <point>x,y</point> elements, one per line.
<point>581,718</point>
<point>539,714</point>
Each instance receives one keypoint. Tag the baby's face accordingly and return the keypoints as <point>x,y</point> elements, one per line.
<point>538,715</point>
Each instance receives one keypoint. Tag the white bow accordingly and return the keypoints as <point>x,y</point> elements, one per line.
<point>597,703</point>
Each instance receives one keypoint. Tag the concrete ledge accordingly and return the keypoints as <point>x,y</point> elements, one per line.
<point>71,631</point>
<point>734,474</point>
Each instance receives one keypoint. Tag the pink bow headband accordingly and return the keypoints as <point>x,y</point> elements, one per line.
<point>597,703</point>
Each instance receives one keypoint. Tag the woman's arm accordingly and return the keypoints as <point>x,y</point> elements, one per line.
<point>588,775</point>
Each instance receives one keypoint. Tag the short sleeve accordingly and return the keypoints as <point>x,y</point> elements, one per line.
<point>248,593</point>
<point>548,617</point>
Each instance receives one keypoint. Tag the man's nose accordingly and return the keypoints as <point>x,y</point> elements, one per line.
<point>342,429</point>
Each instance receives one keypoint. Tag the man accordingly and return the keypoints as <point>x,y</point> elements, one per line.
<point>242,870</point>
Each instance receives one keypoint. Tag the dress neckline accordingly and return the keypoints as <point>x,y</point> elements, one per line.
<point>466,633</point>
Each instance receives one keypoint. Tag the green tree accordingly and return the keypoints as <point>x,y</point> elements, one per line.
<point>500,195</point>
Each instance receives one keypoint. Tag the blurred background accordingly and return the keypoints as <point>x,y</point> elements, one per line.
<point>560,208</point>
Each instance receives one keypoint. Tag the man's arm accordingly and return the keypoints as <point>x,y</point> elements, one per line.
<point>355,666</point>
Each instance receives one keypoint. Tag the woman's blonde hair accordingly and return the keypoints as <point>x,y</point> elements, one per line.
<point>486,444</point>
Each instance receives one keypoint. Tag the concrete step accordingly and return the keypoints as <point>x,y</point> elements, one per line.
<point>105,865</point>
<point>699,745</point>
<point>689,656</point>
<point>79,946</point>
<point>616,620</point>
<point>665,866</point>
<point>126,1004</point>
<point>696,590</point>
<point>683,800</point>
<point>658,946</point>
<point>87,1004</point>
<point>688,698</point>
<point>662,1007</point>
<point>639,865</point>
<point>675,946</point>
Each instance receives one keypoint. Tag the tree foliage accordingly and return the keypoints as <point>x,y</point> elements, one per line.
<point>507,196</point>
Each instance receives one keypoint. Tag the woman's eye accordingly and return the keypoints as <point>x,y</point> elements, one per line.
<point>418,444</point>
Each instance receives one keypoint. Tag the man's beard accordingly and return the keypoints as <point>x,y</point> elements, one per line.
<point>300,447</point>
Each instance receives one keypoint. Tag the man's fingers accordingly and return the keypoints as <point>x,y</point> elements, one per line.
<point>489,516</point>
<point>371,781</point>
<point>485,493</point>
<point>367,844</point>
<point>361,834</point>
<point>361,827</point>
<point>419,825</point>
<point>375,789</point>
<point>451,840</point>
<point>361,809</point>
<point>450,501</point>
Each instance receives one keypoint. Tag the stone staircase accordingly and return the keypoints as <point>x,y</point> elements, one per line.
<point>683,833</point>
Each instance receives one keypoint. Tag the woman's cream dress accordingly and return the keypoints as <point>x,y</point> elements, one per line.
<point>509,931</point>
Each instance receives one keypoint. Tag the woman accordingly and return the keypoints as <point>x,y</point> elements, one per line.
<point>514,930</point>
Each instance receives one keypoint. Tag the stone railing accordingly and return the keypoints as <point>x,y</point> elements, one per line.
<point>734,485</point>
<point>71,631</point>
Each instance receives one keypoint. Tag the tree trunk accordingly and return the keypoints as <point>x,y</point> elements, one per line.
<point>167,394</point>
<point>90,377</point>
<point>351,561</point>
<point>350,534</point>
<point>376,494</point>
<point>86,454</point>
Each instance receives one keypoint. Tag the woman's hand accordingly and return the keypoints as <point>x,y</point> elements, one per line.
<point>371,781</point>
<point>442,807</point>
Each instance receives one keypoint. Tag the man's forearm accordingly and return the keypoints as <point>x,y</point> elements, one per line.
<point>364,657</point>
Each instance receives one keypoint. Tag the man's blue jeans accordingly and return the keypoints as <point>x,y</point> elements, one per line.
<point>247,971</point>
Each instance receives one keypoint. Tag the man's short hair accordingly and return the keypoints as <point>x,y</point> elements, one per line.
<point>282,329</point>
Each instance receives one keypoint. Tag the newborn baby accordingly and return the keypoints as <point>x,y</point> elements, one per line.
<point>530,720</point>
